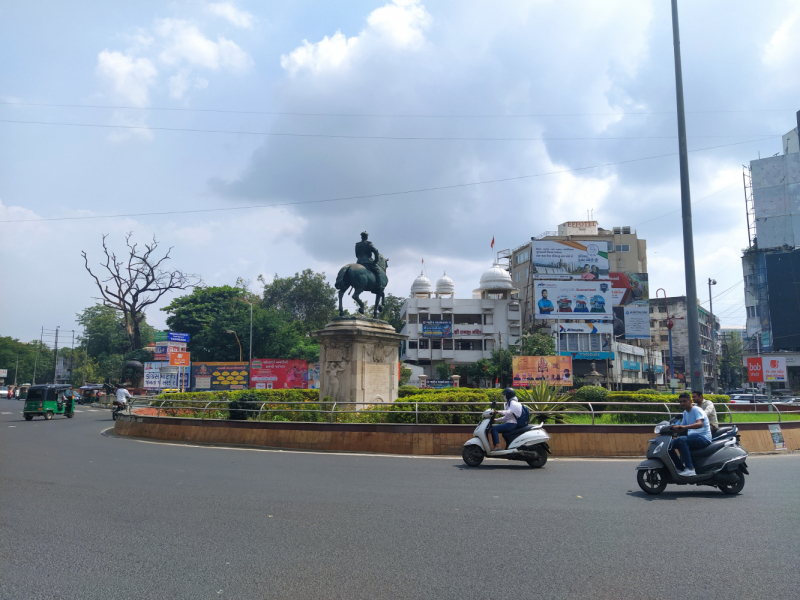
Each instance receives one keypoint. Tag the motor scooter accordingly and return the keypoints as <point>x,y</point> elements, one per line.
<point>528,443</point>
<point>721,464</point>
<point>119,408</point>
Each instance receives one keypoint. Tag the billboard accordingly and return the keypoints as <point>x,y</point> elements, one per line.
<point>437,329</point>
<point>313,376</point>
<point>637,321</point>
<point>755,373</point>
<point>582,327</point>
<point>570,260</point>
<point>220,376</point>
<point>680,368</point>
<point>156,377</point>
<point>278,374</point>
<point>530,370</point>
<point>180,359</point>
<point>629,288</point>
<point>774,368</point>
<point>163,349</point>
<point>783,283</point>
<point>565,299</point>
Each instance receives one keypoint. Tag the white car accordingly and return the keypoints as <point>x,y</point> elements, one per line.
<point>748,398</point>
<point>3,391</point>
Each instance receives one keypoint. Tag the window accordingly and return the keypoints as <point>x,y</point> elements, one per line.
<point>488,319</point>
<point>513,308</point>
<point>662,309</point>
<point>412,319</point>
<point>473,319</point>
<point>572,342</point>
<point>652,321</point>
<point>623,248</point>
<point>436,344</point>
<point>435,317</point>
<point>423,344</point>
<point>516,277</point>
<point>595,342</point>
<point>466,344</point>
<point>665,338</point>
<point>488,345</point>
<point>412,344</point>
<point>447,317</point>
<point>583,342</point>
<point>423,317</point>
<point>447,344</point>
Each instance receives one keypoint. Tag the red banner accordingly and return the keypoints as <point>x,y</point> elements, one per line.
<point>755,374</point>
<point>278,374</point>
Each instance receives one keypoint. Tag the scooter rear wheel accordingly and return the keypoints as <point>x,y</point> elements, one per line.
<point>733,488</point>
<point>473,455</point>
<point>540,460</point>
<point>651,480</point>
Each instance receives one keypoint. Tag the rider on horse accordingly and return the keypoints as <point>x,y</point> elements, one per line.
<point>364,252</point>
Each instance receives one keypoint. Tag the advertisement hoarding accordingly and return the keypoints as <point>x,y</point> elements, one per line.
<point>157,378</point>
<point>637,321</point>
<point>278,374</point>
<point>629,288</point>
<point>582,327</point>
<point>3,372</point>
<point>530,370</point>
<point>570,260</point>
<point>163,349</point>
<point>680,368</point>
<point>180,359</point>
<point>437,329</point>
<point>566,299</point>
<point>774,368</point>
<point>220,376</point>
<point>755,373</point>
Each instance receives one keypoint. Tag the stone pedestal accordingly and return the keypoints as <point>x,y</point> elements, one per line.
<point>359,360</point>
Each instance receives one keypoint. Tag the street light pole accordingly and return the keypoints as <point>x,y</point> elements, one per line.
<point>237,341</point>
<point>713,338</point>
<point>251,333</point>
<point>695,352</point>
<point>55,358</point>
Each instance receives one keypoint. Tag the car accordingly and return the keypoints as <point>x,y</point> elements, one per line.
<point>3,391</point>
<point>748,398</point>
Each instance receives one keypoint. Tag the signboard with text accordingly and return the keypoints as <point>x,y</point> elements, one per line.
<point>220,376</point>
<point>637,322</point>
<point>628,288</point>
<point>570,259</point>
<point>179,359</point>
<point>766,368</point>
<point>160,376</point>
<point>437,329</point>
<point>173,336</point>
<point>278,374</point>
<point>530,370</point>
<point>755,372</point>
<point>572,299</point>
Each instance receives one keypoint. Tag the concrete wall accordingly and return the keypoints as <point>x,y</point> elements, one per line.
<point>776,199</point>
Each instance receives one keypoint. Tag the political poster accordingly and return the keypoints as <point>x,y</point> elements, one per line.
<point>572,299</point>
<point>278,374</point>
<point>220,376</point>
<point>437,329</point>
<point>530,370</point>
<point>637,321</point>
<point>629,288</point>
<point>584,260</point>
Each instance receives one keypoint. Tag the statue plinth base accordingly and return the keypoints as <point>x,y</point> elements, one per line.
<point>359,360</point>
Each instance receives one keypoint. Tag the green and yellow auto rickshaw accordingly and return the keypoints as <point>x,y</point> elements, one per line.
<point>48,400</point>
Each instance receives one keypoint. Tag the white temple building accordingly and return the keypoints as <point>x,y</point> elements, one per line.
<point>443,328</point>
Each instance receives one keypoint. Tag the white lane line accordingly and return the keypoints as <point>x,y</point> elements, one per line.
<point>12,425</point>
<point>5,413</point>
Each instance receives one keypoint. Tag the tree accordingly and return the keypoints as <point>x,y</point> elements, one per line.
<point>136,283</point>
<point>443,370</point>
<point>392,311</point>
<point>33,358</point>
<point>536,344</point>
<point>306,297</point>
<point>730,366</point>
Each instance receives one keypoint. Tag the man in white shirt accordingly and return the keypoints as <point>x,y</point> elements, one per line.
<point>122,395</point>
<point>508,418</point>
<point>708,408</point>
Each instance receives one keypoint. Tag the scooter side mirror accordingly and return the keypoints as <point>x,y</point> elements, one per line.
<point>494,404</point>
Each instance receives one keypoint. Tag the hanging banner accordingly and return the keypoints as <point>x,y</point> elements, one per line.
<point>437,329</point>
<point>220,376</point>
<point>530,370</point>
<point>564,299</point>
<point>278,374</point>
<point>570,260</point>
<point>637,322</point>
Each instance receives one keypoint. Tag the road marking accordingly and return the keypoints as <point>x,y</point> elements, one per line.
<point>12,425</point>
<point>5,413</point>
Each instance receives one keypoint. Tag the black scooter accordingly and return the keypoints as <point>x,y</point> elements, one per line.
<point>721,464</point>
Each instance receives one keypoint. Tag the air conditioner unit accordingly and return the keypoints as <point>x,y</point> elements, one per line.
<point>617,230</point>
<point>626,230</point>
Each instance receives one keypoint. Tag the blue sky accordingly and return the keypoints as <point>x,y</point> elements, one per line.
<point>403,69</point>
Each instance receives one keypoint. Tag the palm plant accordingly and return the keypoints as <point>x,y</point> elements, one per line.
<point>538,400</point>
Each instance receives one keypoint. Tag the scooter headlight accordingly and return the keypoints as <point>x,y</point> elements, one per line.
<point>658,428</point>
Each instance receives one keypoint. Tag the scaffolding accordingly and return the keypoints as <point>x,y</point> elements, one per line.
<point>749,205</point>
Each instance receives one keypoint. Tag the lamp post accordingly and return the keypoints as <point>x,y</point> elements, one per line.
<point>250,357</point>
<point>237,341</point>
<point>713,338</point>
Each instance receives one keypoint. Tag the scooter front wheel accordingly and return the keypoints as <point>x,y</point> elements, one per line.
<point>651,480</point>
<point>473,455</point>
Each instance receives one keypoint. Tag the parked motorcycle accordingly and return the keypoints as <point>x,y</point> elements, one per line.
<point>528,443</point>
<point>721,464</point>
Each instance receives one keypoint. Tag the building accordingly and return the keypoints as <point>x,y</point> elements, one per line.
<point>626,254</point>
<point>442,328</point>
<point>675,307</point>
<point>771,263</point>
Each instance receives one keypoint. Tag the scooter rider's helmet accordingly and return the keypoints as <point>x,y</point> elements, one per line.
<point>509,393</point>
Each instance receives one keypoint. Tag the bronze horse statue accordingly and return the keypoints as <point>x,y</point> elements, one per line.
<point>362,279</point>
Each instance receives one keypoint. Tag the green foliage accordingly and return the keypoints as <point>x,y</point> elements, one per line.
<point>648,402</point>
<point>443,370</point>
<point>244,406</point>
<point>32,358</point>
<point>591,393</point>
<point>730,365</point>
<point>391,312</point>
<point>538,398</point>
<point>536,344</point>
<point>305,297</point>
<point>405,375</point>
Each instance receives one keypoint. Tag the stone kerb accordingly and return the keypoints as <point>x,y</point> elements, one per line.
<point>359,361</point>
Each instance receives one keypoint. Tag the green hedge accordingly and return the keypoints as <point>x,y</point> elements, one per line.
<point>418,408</point>
<point>649,403</point>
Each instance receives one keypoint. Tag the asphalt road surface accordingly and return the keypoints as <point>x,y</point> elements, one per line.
<point>85,515</point>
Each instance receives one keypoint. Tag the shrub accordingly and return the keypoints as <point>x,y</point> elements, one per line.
<point>244,407</point>
<point>537,397</point>
<point>637,401</point>
<point>591,393</point>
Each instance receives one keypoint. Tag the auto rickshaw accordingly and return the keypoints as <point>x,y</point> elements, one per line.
<point>48,400</point>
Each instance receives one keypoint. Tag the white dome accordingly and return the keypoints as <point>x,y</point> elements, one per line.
<point>445,285</point>
<point>496,278</point>
<point>421,285</point>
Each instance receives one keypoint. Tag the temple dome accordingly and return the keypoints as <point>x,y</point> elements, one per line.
<point>445,285</point>
<point>496,278</point>
<point>421,285</point>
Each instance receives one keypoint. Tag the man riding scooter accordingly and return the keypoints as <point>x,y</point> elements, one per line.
<point>698,436</point>
<point>508,418</point>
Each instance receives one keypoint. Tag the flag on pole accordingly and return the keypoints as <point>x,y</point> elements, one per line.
<point>492,242</point>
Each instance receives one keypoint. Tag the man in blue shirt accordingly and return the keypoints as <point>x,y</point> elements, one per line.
<point>545,306</point>
<point>698,435</point>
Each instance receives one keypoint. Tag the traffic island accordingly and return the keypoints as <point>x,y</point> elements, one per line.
<point>419,440</point>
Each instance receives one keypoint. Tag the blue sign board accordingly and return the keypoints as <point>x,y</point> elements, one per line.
<point>439,383</point>
<point>589,355</point>
<point>631,365</point>
<point>654,368</point>
<point>177,337</point>
<point>437,329</point>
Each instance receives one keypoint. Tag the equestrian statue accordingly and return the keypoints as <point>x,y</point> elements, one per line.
<point>367,274</point>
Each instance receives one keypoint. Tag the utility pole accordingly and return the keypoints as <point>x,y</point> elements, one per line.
<point>693,318</point>
<point>713,338</point>
<point>251,338</point>
<point>16,368</point>
<point>55,357</point>
<point>36,360</point>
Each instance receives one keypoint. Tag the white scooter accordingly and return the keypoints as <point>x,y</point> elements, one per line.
<point>527,443</point>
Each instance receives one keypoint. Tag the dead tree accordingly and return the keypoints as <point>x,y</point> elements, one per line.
<point>135,284</point>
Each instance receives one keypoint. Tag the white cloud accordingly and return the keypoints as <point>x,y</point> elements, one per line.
<point>783,45</point>
<point>181,83</point>
<point>399,24</point>
<point>129,78</point>
<point>185,43</point>
<point>229,11</point>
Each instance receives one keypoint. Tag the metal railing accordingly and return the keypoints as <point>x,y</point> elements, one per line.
<point>335,410</point>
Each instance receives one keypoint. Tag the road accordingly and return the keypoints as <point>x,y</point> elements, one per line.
<point>84,515</point>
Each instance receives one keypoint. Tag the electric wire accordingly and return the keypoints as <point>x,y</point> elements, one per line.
<point>366,196</point>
